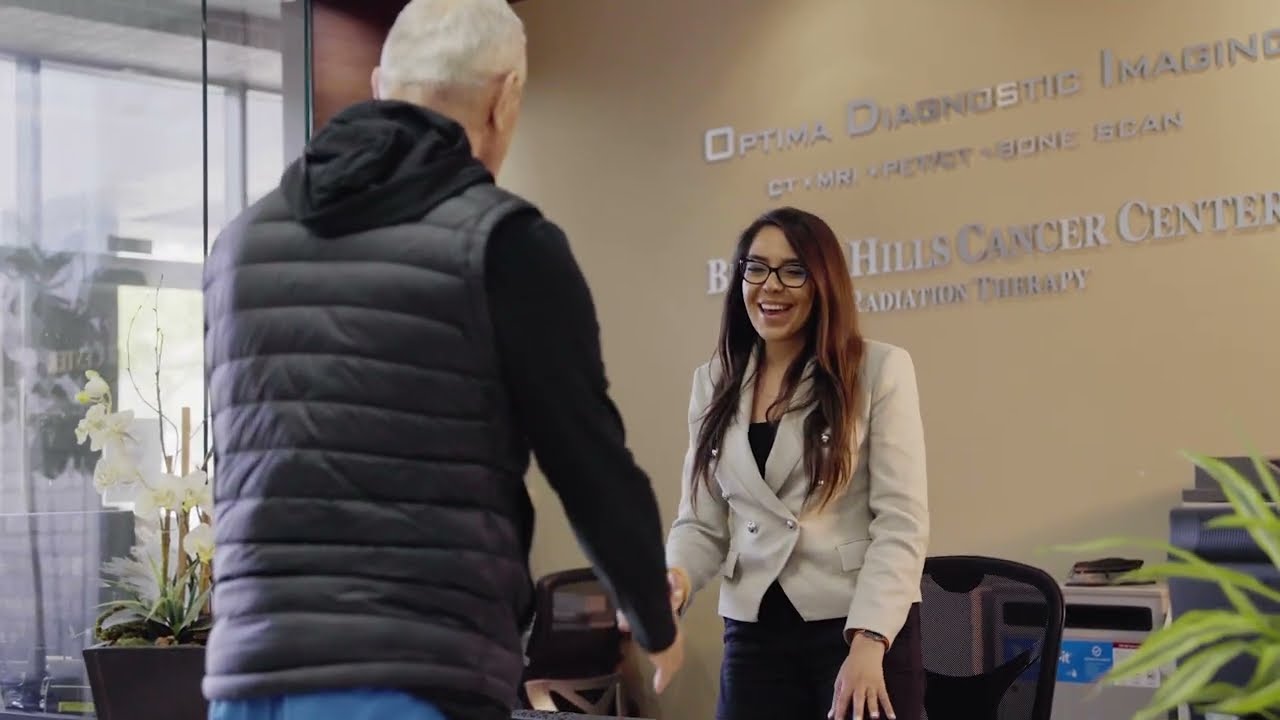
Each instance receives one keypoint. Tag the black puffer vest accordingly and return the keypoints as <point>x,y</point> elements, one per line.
<point>370,512</point>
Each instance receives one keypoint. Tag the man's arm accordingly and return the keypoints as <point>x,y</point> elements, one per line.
<point>549,344</point>
<point>699,537</point>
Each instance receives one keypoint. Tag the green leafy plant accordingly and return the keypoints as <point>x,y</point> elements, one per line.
<point>1202,642</point>
<point>165,611</point>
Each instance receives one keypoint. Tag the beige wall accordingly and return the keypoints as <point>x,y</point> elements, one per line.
<point>1049,419</point>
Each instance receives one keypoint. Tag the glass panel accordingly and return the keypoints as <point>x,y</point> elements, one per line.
<point>251,71</point>
<point>131,132</point>
<point>266,142</point>
<point>8,149</point>
<point>122,163</point>
<point>176,315</point>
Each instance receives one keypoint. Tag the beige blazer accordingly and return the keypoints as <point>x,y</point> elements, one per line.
<point>861,557</point>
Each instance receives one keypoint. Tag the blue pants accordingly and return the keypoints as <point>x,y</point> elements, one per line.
<point>338,705</point>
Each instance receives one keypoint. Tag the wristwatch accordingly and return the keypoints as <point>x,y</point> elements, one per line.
<point>873,635</point>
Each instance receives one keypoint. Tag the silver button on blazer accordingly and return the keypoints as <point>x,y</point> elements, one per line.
<point>859,558</point>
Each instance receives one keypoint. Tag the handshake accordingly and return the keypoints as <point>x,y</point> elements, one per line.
<point>666,663</point>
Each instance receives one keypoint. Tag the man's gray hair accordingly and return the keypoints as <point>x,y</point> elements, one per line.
<point>452,43</point>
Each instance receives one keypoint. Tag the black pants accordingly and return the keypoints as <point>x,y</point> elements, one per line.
<point>784,667</point>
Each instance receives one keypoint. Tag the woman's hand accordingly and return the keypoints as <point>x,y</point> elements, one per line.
<point>678,582</point>
<point>860,684</point>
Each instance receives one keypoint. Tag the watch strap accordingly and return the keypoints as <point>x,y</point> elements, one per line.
<point>873,635</point>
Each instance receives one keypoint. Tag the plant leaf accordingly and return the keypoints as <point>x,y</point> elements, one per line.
<point>1210,572</point>
<point>1227,580</point>
<point>194,608</point>
<point>1265,698</point>
<point>120,616</point>
<point>1267,473</point>
<point>1245,523</point>
<point>1268,666</point>
<point>1191,678</point>
<point>1207,573</point>
<point>1202,642</point>
<point>1218,691</point>
<point>128,603</point>
<point>1245,499</point>
<point>1190,632</point>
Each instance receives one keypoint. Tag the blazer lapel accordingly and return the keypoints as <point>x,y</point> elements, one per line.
<point>788,445</point>
<point>740,461</point>
<point>788,450</point>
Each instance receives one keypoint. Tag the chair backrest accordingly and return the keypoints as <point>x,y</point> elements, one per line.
<point>574,632</point>
<point>991,631</point>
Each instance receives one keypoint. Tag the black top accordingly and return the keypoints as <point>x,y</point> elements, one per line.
<point>776,609</point>
<point>549,341</point>
<point>761,435</point>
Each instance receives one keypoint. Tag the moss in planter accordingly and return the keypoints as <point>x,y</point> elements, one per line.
<point>132,641</point>
<point>137,632</point>
<point>120,632</point>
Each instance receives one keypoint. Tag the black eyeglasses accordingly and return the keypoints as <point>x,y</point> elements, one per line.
<point>792,275</point>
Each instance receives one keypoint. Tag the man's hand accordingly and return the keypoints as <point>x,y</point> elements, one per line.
<point>667,663</point>
<point>678,587</point>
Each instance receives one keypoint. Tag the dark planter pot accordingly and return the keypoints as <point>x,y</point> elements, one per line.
<point>141,683</point>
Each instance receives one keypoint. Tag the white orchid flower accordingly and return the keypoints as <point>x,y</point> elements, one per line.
<point>113,469</point>
<point>200,543</point>
<point>91,424</point>
<point>197,492</point>
<point>113,430</point>
<point>102,428</point>
<point>95,389</point>
<point>164,495</point>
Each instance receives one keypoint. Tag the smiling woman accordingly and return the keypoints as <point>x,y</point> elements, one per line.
<point>777,309</point>
<point>804,488</point>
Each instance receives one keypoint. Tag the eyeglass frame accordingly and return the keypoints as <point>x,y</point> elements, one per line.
<point>742,272</point>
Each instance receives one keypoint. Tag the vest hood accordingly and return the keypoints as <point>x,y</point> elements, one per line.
<point>377,164</point>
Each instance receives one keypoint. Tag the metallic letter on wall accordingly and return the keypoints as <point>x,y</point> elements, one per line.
<point>717,144</point>
<point>717,276</point>
<point>861,126</point>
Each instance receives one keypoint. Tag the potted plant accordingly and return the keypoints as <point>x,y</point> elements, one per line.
<point>149,656</point>
<point>1202,642</point>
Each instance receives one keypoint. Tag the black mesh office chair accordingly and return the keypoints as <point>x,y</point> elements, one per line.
<point>575,647</point>
<point>991,632</point>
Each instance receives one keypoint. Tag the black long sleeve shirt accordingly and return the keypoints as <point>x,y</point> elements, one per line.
<point>549,344</point>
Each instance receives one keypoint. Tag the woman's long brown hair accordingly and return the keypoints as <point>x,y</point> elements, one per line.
<point>832,342</point>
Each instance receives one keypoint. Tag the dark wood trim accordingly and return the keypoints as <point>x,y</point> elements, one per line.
<point>346,40</point>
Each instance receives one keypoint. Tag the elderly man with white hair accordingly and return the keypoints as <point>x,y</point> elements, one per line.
<point>388,337</point>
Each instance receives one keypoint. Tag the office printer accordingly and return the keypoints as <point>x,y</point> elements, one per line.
<point>1229,547</point>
